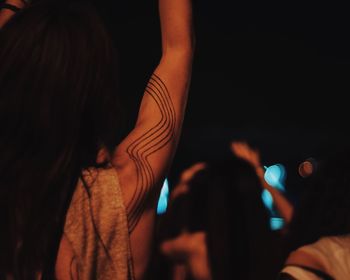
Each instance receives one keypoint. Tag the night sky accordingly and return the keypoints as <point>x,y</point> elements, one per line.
<point>273,73</point>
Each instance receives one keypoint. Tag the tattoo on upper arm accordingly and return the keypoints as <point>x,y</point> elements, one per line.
<point>147,144</point>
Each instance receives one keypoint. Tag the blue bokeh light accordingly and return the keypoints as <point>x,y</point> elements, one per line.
<point>163,198</point>
<point>275,176</point>
<point>267,200</point>
<point>276,223</point>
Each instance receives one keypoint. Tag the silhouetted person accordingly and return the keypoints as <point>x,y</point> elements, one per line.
<point>319,240</point>
<point>219,228</point>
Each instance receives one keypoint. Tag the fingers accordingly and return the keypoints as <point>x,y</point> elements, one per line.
<point>180,189</point>
<point>240,147</point>
<point>242,150</point>
<point>182,186</point>
<point>191,171</point>
<point>176,249</point>
<point>186,176</point>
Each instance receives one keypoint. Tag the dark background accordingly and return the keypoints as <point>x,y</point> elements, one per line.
<point>274,73</point>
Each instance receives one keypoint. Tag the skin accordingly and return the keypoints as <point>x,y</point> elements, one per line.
<point>244,151</point>
<point>182,186</point>
<point>190,250</point>
<point>6,14</point>
<point>149,149</point>
<point>144,157</point>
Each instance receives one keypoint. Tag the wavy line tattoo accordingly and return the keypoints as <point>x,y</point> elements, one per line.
<point>150,142</point>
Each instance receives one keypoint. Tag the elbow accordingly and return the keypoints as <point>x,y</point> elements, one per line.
<point>177,54</point>
<point>183,46</point>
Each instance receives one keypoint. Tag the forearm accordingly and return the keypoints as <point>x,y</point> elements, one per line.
<point>178,40</point>
<point>149,149</point>
<point>176,25</point>
<point>168,87</point>
<point>7,14</point>
<point>163,104</point>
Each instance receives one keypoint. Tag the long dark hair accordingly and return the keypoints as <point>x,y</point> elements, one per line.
<point>224,200</point>
<point>324,209</point>
<point>228,192</point>
<point>58,106</point>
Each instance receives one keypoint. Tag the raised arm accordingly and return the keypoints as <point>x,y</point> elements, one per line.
<point>244,151</point>
<point>145,155</point>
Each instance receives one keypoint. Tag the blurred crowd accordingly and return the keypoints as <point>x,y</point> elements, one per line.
<point>218,226</point>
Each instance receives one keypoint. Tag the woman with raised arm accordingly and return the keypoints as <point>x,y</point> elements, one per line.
<point>75,202</point>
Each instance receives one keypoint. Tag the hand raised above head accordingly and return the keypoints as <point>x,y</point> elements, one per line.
<point>188,173</point>
<point>245,152</point>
